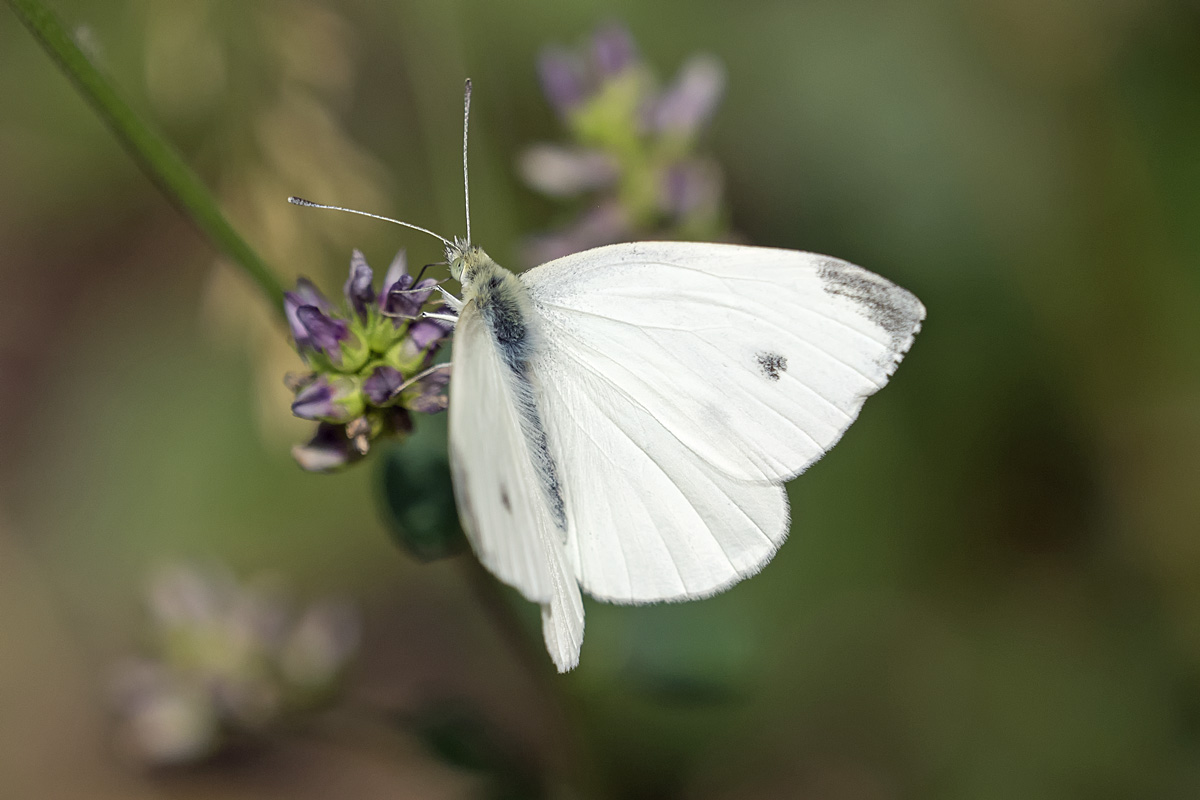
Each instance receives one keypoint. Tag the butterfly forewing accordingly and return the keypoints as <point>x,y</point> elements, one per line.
<point>682,384</point>
<point>755,359</point>
<point>501,504</point>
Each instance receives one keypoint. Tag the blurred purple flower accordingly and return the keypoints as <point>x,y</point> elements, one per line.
<point>382,385</point>
<point>566,171</point>
<point>328,450</point>
<point>563,80</point>
<point>314,401</point>
<point>305,295</point>
<point>324,334</point>
<point>400,299</point>
<point>397,270</point>
<point>430,396</point>
<point>630,158</point>
<point>613,50</point>
<point>427,334</point>
<point>687,105</point>
<point>336,399</point>
<point>358,290</point>
<point>232,662</point>
<point>164,718</point>
<point>404,300</point>
<point>319,645</point>
<point>179,596</point>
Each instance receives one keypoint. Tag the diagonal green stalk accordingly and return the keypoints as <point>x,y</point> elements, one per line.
<point>161,163</point>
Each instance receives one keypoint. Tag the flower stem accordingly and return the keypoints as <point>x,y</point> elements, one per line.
<point>161,163</point>
<point>565,711</point>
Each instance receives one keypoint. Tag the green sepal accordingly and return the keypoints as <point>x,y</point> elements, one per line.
<point>381,333</point>
<point>354,351</point>
<point>350,397</point>
<point>405,357</point>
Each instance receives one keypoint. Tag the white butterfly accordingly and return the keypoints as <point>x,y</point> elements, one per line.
<point>622,420</point>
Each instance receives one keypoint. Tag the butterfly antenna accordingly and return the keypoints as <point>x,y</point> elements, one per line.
<point>300,201</point>
<point>466,183</point>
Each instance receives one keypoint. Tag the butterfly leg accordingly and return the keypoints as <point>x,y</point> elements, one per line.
<point>443,367</point>
<point>450,299</point>
<point>442,317</point>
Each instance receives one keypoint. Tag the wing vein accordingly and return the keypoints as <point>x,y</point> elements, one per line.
<point>642,326</point>
<point>585,345</point>
<point>634,401</point>
<point>641,500</point>
<point>726,281</point>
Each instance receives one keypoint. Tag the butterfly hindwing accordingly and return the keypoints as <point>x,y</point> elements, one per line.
<point>648,520</point>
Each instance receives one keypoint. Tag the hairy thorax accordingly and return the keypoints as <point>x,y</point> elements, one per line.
<point>500,298</point>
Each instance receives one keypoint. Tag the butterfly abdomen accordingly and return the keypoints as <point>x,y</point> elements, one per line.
<point>504,305</point>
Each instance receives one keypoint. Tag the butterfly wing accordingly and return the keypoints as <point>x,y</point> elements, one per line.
<point>648,520</point>
<point>683,383</point>
<point>501,504</point>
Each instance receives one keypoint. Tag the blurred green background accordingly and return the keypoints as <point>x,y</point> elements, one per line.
<point>992,589</point>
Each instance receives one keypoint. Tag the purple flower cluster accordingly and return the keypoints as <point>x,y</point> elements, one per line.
<point>231,663</point>
<point>630,155</point>
<point>372,361</point>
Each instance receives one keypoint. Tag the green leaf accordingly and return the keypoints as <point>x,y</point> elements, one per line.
<point>417,497</point>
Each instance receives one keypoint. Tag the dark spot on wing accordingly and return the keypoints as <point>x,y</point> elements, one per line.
<point>504,499</point>
<point>772,365</point>
<point>895,310</point>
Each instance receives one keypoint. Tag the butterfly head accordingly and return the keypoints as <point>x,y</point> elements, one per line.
<point>467,262</point>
